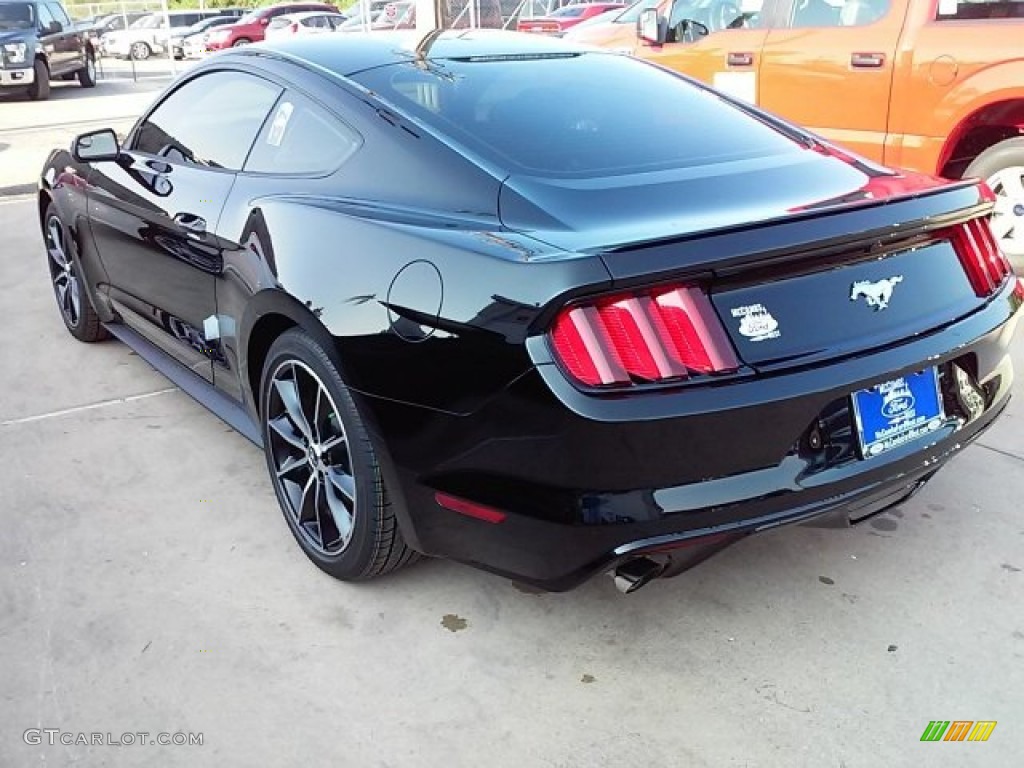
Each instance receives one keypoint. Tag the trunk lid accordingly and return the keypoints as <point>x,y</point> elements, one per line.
<point>802,262</point>
<point>844,307</point>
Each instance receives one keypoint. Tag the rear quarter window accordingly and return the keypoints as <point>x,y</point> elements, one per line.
<point>300,137</point>
<point>581,115</point>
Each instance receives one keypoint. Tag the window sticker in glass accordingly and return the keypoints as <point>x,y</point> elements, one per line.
<point>280,124</point>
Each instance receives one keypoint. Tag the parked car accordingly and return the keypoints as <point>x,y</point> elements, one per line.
<point>933,87</point>
<point>112,23</point>
<point>306,23</point>
<point>200,30</point>
<point>637,322</point>
<point>388,16</point>
<point>38,43</point>
<point>566,17</point>
<point>251,28</point>
<point>151,34</point>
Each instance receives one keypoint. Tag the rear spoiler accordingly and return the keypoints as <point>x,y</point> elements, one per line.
<point>865,223</point>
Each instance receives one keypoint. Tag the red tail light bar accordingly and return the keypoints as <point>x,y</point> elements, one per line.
<point>649,336</point>
<point>986,266</point>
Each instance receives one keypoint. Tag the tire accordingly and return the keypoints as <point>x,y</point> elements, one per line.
<point>140,51</point>
<point>76,309</point>
<point>40,88</point>
<point>1002,166</point>
<point>331,457</point>
<point>87,74</point>
<point>240,42</point>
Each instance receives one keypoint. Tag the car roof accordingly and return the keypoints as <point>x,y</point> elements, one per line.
<point>347,54</point>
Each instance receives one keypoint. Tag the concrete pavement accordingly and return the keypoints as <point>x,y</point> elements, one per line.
<point>30,129</point>
<point>148,583</point>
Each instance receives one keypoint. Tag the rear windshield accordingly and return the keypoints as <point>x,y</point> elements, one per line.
<point>574,114</point>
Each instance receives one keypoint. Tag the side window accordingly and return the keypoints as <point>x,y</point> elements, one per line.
<point>837,13</point>
<point>209,121</point>
<point>47,23</point>
<point>969,10</point>
<point>716,15</point>
<point>58,13</point>
<point>300,137</point>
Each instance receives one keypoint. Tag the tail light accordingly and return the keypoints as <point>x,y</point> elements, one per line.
<point>650,336</point>
<point>986,266</point>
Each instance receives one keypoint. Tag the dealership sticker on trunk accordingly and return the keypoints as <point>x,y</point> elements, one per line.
<point>895,412</point>
<point>757,323</point>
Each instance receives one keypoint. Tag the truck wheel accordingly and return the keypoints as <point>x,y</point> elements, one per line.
<point>87,74</point>
<point>1002,166</point>
<point>140,51</point>
<point>240,42</point>
<point>40,88</point>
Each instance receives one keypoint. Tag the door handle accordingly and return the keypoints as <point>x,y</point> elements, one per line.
<point>867,60</point>
<point>739,59</point>
<point>190,223</point>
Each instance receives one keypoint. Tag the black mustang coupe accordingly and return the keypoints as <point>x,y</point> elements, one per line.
<point>540,309</point>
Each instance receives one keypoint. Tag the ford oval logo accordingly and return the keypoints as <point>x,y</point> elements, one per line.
<point>898,405</point>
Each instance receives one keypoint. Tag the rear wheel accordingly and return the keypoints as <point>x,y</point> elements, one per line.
<point>75,308</point>
<point>323,466</point>
<point>40,88</point>
<point>1002,167</point>
<point>140,51</point>
<point>87,74</point>
<point>240,42</point>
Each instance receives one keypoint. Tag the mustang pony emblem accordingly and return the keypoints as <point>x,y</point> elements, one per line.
<point>877,294</point>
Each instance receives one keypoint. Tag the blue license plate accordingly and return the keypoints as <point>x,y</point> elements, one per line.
<point>896,412</point>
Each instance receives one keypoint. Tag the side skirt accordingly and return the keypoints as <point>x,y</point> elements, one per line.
<point>192,384</point>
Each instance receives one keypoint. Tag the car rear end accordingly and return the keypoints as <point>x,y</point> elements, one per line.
<point>539,26</point>
<point>693,404</point>
<point>780,331</point>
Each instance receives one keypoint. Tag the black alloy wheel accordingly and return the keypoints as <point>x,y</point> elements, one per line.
<point>75,308</point>
<point>310,458</point>
<point>323,465</point>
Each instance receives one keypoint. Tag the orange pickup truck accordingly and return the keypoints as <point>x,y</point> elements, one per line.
<point>935,86</point>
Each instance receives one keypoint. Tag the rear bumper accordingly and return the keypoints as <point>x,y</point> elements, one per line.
<point>15,78</point>
<point>586,482</point>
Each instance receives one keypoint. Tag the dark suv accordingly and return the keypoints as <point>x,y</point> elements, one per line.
<point>38,43</point>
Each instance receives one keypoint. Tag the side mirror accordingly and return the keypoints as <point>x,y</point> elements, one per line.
<point>264,21</point>
<point>649,27</point>
<point>96,146</point>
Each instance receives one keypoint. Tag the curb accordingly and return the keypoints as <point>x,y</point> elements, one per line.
<point>16,190</point>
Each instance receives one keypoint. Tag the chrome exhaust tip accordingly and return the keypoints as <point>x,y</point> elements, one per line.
<point>635,573</point>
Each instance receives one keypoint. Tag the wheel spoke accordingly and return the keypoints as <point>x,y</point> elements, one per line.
<point>316,413</point>
<point>57,257</point>
<point>76,301</point>
<point>62,296</point>
<point>334,527</point>
<point>290,464</point>
<point>56,243</point>
<point>288,391</point>
<point>284,427</point>
<point>1001,226</point>
<point>343,482</point>
<point>306,508</point>
<point>332,442</point>
<point>341,512</point>
<point>1013,184</point>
